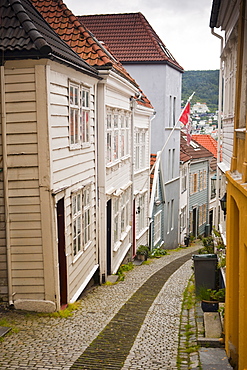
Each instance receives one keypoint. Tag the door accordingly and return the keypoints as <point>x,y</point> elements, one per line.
<point>211,218</point>
<point>108,235</point>
<point>194,230</point>
<point>61,253</point>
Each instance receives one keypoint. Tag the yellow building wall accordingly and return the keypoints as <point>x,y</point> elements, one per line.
<point>236,274</point>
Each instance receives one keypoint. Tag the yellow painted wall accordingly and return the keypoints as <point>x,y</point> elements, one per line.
<point>236,275</point>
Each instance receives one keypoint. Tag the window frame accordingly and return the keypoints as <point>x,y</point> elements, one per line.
<point>79,115</point>
<point>81,222</point>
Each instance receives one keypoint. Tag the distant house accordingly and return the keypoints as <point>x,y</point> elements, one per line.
<point>198,197</point>
<point>157,201</point>
<point>123,130</point>
<point>208,142</point>
<point>199,108</point>
<point>185,159</point>
<point>134,42</point>
<point>49,198</point>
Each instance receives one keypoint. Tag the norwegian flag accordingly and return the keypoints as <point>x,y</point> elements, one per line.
<point>185,119</point>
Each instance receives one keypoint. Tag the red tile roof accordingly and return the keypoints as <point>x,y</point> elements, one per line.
<point>130,37</point>
<point>153,158</point>
<point>25,34</point>
<point>208,142</point>
<point>80,39</point>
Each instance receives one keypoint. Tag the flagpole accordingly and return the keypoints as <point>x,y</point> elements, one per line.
<point>189,99</point>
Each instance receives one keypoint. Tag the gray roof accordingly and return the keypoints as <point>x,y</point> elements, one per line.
<point>24,34</point>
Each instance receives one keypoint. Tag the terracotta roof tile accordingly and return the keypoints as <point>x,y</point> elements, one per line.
<point>130,37</point>
<point>153,158</point>
<point>25,34</point>
<point>80,39</point>
<point>208,142</point>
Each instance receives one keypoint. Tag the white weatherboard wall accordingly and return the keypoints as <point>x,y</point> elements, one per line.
<point>118,179</point>
<point>40,165</point>
<point>72,169</point>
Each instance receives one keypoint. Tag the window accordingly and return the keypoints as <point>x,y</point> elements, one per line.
<point>141,218</point>
<point>184,179</point>
<point>125,211</point>
<point>157,227</point>
<point>172,111</point>
<point>204,213</point>
<point>204,179</point>
<point>183,218</point>
<point>121,214</point>
<point>193,183</point>
<point>81,219</point>
<point>117,135</point>
<point>172,214</point>
<point>116,220</point>
<point>140,149</point>
<point>79,115</point>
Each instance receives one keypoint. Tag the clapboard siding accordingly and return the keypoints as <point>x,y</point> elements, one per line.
<point>23,185</point>
<point>75,167</point>
<point>3,250</point>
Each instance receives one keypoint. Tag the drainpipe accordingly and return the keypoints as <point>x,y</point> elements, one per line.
<point>219,133</point>
<point>5,185</point>
<point>132,102</point>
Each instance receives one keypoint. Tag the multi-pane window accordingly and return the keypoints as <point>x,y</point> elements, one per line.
<point>79,115</point>
<point>81,219</point>
<point>183,218</point>
<point>184,179</point>
<point>193,183</point>
<point>172,111</point>
<point>170,216</point>
<point>141,218</point>
<point>117,135</point>
<point>116,211</point>
<point>157,227</point>
<point>121,210</point>
<point>140,149</point>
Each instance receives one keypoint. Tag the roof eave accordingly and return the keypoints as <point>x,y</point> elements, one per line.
<point>167,62</point>
<point>214,13</point>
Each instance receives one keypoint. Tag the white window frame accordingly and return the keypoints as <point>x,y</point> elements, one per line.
<point>142,209</point>
<point>81,220</point>
<point>157,227</point>
<point>117,135</point>
<point>140,149</point>
<point>79,115</point>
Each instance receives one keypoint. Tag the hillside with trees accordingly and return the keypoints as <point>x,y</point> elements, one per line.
<point>206,87</point>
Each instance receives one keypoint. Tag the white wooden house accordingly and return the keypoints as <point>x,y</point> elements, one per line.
<point>135,43</point>
<point>48,238</point>
<point>123,119</point>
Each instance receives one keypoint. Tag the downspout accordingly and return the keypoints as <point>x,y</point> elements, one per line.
<point>219,133</point>
<point>5,186</point>
<point>132,102</point>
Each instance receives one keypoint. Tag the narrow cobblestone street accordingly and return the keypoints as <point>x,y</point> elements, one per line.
<point>109,324</point>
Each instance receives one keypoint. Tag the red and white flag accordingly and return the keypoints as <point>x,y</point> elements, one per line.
<point>185,119</point>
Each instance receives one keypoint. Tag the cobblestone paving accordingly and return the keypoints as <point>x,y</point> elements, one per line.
<point>52,343</point>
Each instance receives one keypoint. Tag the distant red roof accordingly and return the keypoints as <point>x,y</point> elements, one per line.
<point>153,158</point>
<point>130,37</point>
<point>208,142</point>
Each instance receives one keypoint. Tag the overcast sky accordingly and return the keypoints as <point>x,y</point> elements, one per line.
<point>183,26</point>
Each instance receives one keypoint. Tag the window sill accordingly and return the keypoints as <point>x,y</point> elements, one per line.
<point>116,246</point>
<point>143,231</point>
<point>125,233</point>
<point>77,256</point>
